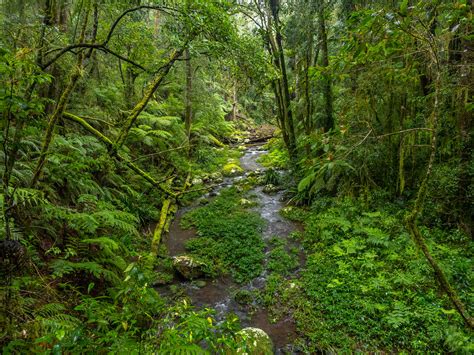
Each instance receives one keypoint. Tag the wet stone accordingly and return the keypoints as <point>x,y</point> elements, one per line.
<point>200,283</point>
<point>270,189</point>
<point>188,267</point>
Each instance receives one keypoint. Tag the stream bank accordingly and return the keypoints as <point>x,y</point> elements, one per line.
<point>223,294</point>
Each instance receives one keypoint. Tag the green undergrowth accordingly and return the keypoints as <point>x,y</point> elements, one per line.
<point>212,159</point>
<point>281,259</point>
<point>277,156</point>
<point>229,236</point>
<point>84,282</point>
<point>366,287</point>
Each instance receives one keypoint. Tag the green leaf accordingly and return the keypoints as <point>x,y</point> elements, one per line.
<point>306,182</point>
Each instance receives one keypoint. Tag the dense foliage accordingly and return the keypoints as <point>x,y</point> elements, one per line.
<point>116,113</point>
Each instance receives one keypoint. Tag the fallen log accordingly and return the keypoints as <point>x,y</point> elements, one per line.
<point>259,139</point>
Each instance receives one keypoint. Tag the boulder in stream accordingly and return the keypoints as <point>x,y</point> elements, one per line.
<point>216,177</point>
<point>232,169</point>
<point>188,266</point>
<point>270,189</point>
<point>256,341</point>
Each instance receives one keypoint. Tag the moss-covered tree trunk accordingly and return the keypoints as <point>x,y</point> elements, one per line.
<point>188,114</point>
<point>76,73</point>
<point>141,105</point>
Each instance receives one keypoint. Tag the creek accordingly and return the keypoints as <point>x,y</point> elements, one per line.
<point>219,293</point>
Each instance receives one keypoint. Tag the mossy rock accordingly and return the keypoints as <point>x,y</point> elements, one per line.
<point>256,341</point>
<point>232,169</point>
<point>256,173</point>
<point>188,266</point>
<point>163,278</point>
<point>243,297</point>
<point>215,177</point>
<point>246,203</point>
<point>200,283</point>
<point>197,181</point>
<point>203,201</point>
<point>270,189</point>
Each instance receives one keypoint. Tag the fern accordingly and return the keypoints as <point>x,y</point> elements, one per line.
<point>119,220</point>
<point>376,236</point>
<point>62,268</point>
<point>83,222</point>
<point>29,197</point>
<point>104,242</point>
<point>50,309</point>
<point>108,252</point>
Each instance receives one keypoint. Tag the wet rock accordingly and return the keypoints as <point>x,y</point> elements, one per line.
<point>203,201</point>
<point>188,266</point>
<point>270,189</point>
<point>256,341</point>
<point>241,148</point>
<point>215,177</point>
<point>200,283</point>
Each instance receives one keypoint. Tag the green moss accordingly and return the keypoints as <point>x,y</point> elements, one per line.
<point>232,169</point>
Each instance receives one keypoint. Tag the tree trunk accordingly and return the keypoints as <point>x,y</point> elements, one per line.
<point>285,91</point>
<point>140,106</point>
<point>188,114</point>
<point>328,120</point>
<point>61,106</point>
<point>411,218</point>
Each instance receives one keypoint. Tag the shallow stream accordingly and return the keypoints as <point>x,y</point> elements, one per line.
<point>219,293</point>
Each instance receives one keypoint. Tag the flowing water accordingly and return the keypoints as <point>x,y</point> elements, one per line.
<point>218,293</point>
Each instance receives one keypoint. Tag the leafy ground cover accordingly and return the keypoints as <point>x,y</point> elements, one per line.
<point>365,286</point>
<point>229,236</point>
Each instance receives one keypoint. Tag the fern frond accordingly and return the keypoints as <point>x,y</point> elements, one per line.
<point>62,268</point>
<point>29,197</point>
<point>103,242</point>
<point>49,310</point>
<point>83,222</point>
